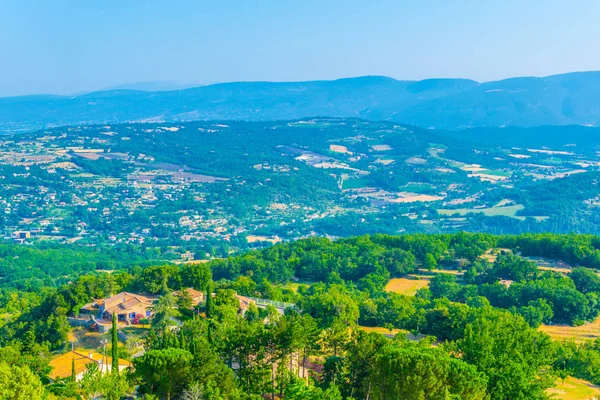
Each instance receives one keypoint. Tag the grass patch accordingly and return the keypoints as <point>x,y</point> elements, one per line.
<point>588,331</point>
<point>574,389</point>
<point>355,183</point>
<point>294,286</point>
<point>505,211</point>
<point>141,331</point>
<point>417,188</point>
<point>84,340</point>
<point>406,286</point>
<point>497,172</point>
<point>552,161</point>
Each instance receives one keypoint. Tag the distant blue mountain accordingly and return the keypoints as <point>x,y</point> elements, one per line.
<point>568,99</point>
<point>154,86</point>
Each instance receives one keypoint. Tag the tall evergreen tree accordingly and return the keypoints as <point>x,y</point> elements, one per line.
<point>28,341</point>
<point>209,300</point>
<point>73,374</point>
<point>115,346</point>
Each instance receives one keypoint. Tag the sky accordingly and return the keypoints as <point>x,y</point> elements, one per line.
<point>70,46</point>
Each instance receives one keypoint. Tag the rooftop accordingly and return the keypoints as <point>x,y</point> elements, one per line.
<point>62,364</point>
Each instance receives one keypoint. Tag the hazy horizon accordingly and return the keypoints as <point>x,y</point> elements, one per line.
<point>67,47</point>
<point>191,85</point>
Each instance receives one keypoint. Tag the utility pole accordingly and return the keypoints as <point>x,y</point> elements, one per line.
<point>104,356</point>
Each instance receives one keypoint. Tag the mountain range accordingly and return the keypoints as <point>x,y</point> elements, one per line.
<point>566,99</point>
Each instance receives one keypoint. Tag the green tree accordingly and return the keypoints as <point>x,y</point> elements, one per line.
<point>90,383</point>
<point>114,386</point>
<point>413,372</point>
<point>429,262</point>
<point>195,275</point>
<point>73,373</point>
<point>165,372</point>
<point>513,355</point>
<point>184,299</point>
<point>115,346</point>
<point>209,300</point>
<point>163,312</point>
<point>19,383</point>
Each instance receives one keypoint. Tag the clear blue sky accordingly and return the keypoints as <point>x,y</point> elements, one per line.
<point>60,46</point>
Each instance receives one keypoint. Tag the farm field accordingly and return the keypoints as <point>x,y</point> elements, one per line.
<point>574,389</point>
<point>356,183</point>
<point>577,333</point>
<point>406,286</point>
<point>547,264</point>
<point>505,211</point>
<point>564,271</point>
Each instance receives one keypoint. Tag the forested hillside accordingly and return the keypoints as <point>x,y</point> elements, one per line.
<point>477,291</point>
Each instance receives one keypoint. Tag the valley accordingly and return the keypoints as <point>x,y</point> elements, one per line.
<point>208,188</point>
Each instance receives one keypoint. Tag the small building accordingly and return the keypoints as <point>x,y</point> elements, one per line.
<point>245,302</point>
<point>62,366</point>
<point>506,282</point>
<point>128,307</point>
<point>21,235</point>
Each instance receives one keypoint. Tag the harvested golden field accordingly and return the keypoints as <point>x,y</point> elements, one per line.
<point>257,238</point>
<point>574,389</point>
<point>587,331</point>
<point>564,271</point>
<point>339,149</point>
<point>382,330</point>
<point>406,286</point>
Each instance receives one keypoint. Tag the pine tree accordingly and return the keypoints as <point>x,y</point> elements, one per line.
<point>115,346</point>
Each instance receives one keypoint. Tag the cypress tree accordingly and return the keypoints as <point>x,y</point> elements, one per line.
<point>29,341</point>
<point>182,341</point>
<point>73,374</point>
<point>209,332</point>
<point>209,300</point>
<point>165,340</point>
<point>115,346</point>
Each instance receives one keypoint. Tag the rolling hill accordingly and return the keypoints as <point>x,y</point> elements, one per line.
<point>567,99</point>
